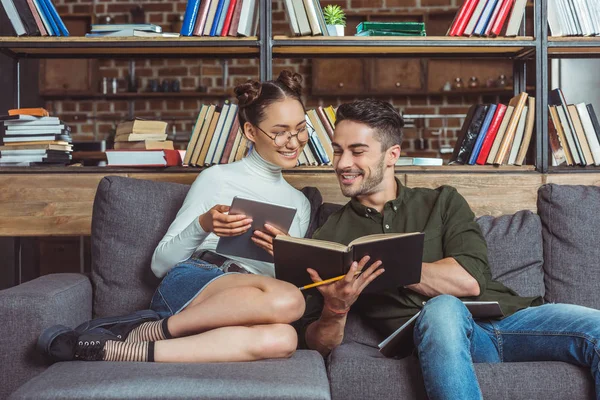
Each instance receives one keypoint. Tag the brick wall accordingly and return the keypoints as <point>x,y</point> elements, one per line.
<point>94,119</point>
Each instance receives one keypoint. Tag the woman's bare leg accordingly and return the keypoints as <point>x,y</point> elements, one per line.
<point>232,343</point>
<point>239,300</point>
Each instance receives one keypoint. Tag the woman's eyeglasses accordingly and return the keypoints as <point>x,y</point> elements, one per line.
<point>282,138</point>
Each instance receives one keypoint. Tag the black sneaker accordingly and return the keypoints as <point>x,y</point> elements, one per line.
<point>59,343</point>
<point>109,322</point>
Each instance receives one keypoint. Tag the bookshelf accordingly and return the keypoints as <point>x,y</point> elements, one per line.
<point>538,48</point>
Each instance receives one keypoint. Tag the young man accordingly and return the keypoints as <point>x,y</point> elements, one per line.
<point>366,146</point>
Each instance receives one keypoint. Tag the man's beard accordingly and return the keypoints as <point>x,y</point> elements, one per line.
<point>368,185</point>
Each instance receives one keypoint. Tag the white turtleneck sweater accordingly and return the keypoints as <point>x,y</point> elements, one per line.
<point>252,178</point>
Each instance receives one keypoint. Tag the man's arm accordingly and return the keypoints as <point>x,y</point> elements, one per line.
<point>446,276</point>
<point>327,332</point>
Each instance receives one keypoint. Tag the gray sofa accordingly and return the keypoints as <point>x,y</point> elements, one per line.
<point>540,253</point>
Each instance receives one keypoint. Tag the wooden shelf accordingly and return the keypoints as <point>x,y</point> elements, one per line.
<point>482,91</point>
<point>133,96</point>
<point>573,46</point>
<point>119,47</point>
<point>432,46</point>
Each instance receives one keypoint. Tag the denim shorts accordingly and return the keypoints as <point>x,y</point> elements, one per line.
<point>183,284</point>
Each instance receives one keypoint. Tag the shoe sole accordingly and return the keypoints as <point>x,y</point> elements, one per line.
<point>142,315</point>
<point>48,336</point>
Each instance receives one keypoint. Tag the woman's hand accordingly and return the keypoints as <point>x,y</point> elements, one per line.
<point>216,221</point>
<point>340,295</point>
<point>264,240</point>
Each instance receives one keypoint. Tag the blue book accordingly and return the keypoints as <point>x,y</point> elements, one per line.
<point>485,17</point>
<point>482,132</point>
<point>46,11</point>
<point>318,149</point>
<point>222,17</point>
<point>189,18</point>
<point>215,25</point>
<point>60,26</point>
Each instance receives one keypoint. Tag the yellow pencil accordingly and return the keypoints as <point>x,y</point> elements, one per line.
<point>326,281</point>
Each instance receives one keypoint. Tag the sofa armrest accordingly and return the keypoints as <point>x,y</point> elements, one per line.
<point>26,310</point>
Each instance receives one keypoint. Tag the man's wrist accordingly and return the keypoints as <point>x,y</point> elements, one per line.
<point>335,311</point>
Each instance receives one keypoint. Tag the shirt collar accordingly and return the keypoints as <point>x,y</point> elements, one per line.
<point>365,211</point>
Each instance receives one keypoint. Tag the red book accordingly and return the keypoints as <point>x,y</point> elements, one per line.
<point>463,17</point>
<point>502,15</point>
<point>491,134</point>
<point>235,20</point>
<point>228,18</point>
<point>201,18</point>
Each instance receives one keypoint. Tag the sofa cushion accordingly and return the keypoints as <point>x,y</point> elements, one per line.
<point>302,376</point>
<point>129,219</point>
<point>570,219</point>
<point>361,372</point>
<point>515,252</point>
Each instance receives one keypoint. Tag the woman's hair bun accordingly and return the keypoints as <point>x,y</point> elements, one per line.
<point>247,93</point>
<point>292,80</point>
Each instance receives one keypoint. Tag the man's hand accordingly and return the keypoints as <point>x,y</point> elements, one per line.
<point>216,221</point>
<point>340,295</point>
<point>264,240</point>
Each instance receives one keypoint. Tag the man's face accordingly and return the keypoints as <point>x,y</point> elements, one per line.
<point>357,159</point>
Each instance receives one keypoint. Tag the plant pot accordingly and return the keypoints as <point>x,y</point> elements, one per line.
<point>335,30</point>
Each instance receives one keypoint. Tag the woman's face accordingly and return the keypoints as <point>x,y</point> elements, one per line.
<point>282,117</point>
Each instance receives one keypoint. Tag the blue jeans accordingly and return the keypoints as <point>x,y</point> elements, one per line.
<point>449,341</point>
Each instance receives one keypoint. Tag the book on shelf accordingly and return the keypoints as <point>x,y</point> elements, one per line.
<point>374,28</point>
<point>132,33</point>
<point>518,102</point>
<point>143,158</point>
<point>557,98</point>
<point>468,133</point>
<point>482,133</point>
<point>573,18</point>
<point>528,133</point>
<point>419,161</point>
<point>589,131</point>
<point>400,253</point>
<point>401,342</point>
<point>34,112</point>
<point>34,18</point>
<point>488,18</point>
<point>305,17</point>
<point>490,136</point>
<point>220,18</point>
<point>141,126</point>
<point>580,135</point>
<point>558,140</point>
<point>145,145</point>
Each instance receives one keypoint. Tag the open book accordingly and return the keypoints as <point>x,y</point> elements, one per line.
<point>401,254</point>
<point>401,341</point>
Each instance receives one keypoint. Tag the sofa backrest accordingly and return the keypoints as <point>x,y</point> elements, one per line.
<point>570,216</point>
<point>130,217</point>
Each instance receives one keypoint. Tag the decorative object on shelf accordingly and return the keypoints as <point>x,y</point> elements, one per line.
<point>114,85</point>
<point>502,81</point>
<point>458,84</point>
<point>175,86</point>
<point>132,84</point>
<point>490,83</point>
<point>105,20</point>
<point>166,86</point>
<point>335,18</point>
<point>202,89</point>
<point>400,28</point>
<point>473,82</point>
<point>104,86</point>
<point>447,87</point>
<point>153,85</point>
<point>137,15</point>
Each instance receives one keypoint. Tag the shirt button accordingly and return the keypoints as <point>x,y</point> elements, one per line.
<point>387,227</point>
<point>424,303</point>
<point>369,210</point>
<point>395,208</point>
<point>367,215</point>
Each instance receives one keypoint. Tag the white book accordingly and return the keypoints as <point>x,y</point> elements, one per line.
<point>595,12</point>
<point>475,17</point>
<point>32,122</point>
<point>554,19</point>
<point>420,161</point>
<point>43,17</point>
<point>13,16</point>
<point>29,152</point>
<point>226,131</point>
<point>516,145</point>
<point>215,139</point>
<point>584,18</point>
<point>569,135</point>
<point>516,16</point>
<point>24,158</point>
<point>210,17</point>
<point>247,18</point>
<point>571,13</point>
<point>118,27</point>
<point>291,16</point>
<point>562,16</point>
<point>590,132</point>
<point>38,138</point>
<point>302,18</point>
<point>16,129</point>
<point>311,13</point>
<point>309,156</point>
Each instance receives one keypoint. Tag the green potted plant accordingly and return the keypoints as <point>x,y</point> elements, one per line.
<point>335,18</point>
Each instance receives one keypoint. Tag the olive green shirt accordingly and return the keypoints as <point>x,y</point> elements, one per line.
<point>450,231</point>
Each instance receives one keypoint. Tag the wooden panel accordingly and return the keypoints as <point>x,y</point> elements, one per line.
<point>393,76</point>
<point>327,184</point>
<point>442,71</point>
<point>487,194</point>
<point>574,179</point>
<point>338,76</point>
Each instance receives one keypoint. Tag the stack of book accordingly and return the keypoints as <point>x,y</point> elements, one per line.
<point>217,137</point>
<point>372,28</point>
<point>137,30</point>
<point>142,143</point>
<point>575,132</point>
<point>220,18</point>
<point>496,133</point>
<point>488,18</point>
<point>30,136</point>
<point>34,18</point>
<point>574,18</point>
<point>306,17</point>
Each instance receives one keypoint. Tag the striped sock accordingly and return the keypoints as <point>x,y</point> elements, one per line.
<point>121,351</point>
<point>151,331</point>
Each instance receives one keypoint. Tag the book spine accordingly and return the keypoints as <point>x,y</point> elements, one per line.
<point>502,16</point>
<point>486,15</point>
<point>235,21</point>
<point>201,18</point>
<point>189,18</point>
<point>215,24</point>
<point>312,17</point>
<point>27,17</point>
<point>222,16</point>
<point>491,135</point>
<point>494,17</point>
<point>14,18</point>
<point>463,18</point>
<point>59,22</point>
<point>468,31</point>
<point>482,133</point>
<point>37,18</point>
<point>594,119</point>
<point>228,18</point>
<point>514,22</point>
<point>232,138</point>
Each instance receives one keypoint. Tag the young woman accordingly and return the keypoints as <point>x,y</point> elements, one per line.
<point>210,314</point>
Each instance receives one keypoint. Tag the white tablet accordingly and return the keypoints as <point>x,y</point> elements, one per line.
<point>262,213</point>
